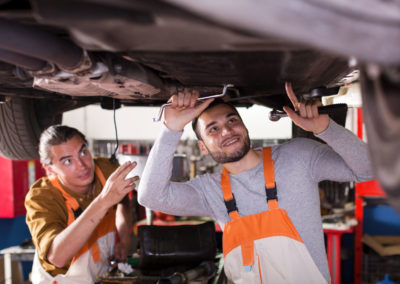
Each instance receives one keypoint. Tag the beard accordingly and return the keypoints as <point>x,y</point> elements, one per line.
<point>223,158</point>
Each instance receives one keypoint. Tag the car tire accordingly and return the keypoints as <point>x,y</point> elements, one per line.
<point>381,100</point>
<point>21,123</point>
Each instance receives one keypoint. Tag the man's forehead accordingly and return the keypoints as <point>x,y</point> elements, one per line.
<point>72,145</point>
<point>74,141</point>
<point>217,112</point>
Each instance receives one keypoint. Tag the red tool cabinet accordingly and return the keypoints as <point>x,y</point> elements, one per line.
<point>15,179</point>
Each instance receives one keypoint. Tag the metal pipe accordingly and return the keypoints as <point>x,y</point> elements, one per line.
<point>23,61</point>
<point>36,43</point>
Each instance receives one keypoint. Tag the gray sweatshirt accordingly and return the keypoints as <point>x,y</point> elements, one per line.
<point>299,165</point>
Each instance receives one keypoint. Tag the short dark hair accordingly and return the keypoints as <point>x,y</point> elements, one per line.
<point>55,135</point>
<point>213,104</point>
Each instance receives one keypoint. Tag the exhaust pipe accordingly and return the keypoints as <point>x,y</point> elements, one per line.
<point>26,62</point>
<point>31,42</point>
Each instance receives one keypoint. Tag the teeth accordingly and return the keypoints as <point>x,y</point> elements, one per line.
<point>231,142</point>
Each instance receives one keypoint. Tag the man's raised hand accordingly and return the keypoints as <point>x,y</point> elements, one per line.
<point>117,185</point>
<point>308,118</point>
<point>183,109</point>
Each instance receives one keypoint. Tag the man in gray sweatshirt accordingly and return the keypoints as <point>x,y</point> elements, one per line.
<point>298,166</point>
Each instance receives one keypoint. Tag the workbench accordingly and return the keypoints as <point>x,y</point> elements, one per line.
<point>15,253</point>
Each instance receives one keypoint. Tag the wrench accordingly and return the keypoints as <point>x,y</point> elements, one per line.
<point>275,114</point>
<point>158,117</point>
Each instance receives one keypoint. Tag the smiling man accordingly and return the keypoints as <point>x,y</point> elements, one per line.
<point>266,200</point>
<point>225,144</point>
<point>71,213</point>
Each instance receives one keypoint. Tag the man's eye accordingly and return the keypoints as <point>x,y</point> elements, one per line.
<point>84,152</point>
<point>213,129</point>
<point>232,120</point>
<point>67,162</point>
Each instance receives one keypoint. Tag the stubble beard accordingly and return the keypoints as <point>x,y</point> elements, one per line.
<point>223,158</point>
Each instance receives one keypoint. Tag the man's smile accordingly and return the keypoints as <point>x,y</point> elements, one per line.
<point>230,141</point>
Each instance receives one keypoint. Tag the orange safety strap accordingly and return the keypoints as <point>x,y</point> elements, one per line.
<point>269,175</point>
<point>227,192</point>
<point>100,175</point>
<point>70,202</point>
<point>268,164</point>
<point>72,205</point>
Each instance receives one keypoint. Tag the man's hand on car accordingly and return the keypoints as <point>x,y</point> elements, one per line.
<point>308,118</point>
<point>183,109</point>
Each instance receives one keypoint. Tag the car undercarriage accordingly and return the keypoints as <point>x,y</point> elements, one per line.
<point>56,56</point>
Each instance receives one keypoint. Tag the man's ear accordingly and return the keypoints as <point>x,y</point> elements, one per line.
<point>49,170</point>
<point>203,148</point>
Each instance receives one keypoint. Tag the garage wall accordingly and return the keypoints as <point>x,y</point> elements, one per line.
<point>134,123</point>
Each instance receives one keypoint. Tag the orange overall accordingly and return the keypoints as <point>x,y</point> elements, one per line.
<point>265,247</point>
<point>92,260</point>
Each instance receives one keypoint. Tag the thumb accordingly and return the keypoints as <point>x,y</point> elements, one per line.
<point>201,107</point>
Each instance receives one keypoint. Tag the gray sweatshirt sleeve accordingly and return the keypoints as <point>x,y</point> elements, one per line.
<point>349,160</point>
<point>157,192</point>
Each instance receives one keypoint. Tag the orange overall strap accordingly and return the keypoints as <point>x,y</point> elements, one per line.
<point>269,177</point>
<point>100,175</point>
<point>70,202</point>
<point>228,196</point>
<point>247,247</point>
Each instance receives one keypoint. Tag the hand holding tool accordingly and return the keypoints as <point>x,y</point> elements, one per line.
<point>275,114</point>
<point>158,117</point>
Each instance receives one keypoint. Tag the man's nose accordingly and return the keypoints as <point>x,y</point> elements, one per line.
<point>226,130</point>
<point>82,163</point>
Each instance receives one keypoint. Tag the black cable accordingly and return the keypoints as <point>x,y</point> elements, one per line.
<point>113,157</point>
